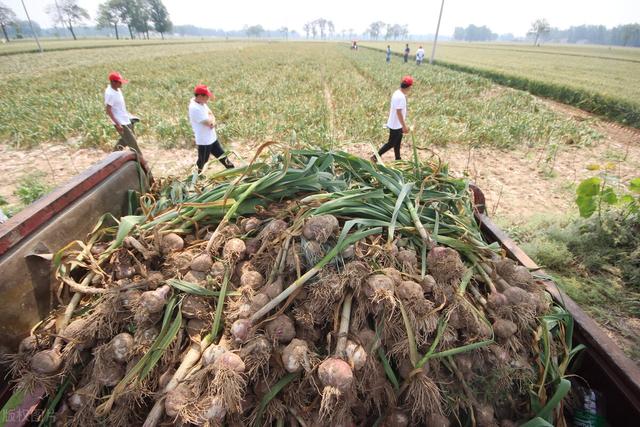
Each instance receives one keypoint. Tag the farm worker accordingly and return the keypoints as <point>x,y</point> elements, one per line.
<point>406,53</point>
<point>419,55</point>
<point>397,118</point>
<point>117,112</point>
<point>388,54</point>
<point>204,127</point>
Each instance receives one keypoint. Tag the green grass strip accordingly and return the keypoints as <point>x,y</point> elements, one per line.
<point>615,109</point>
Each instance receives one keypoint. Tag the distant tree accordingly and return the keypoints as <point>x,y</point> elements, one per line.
<point>459,33</point>
<point>255,30</point>
<point>474,33</point>
<point>322,24</point>
<point>331,29</point>
<point>140,17</point>
<point>622,35</point>
<point>126,11</point>
<point>306,27</point>
<point>108,16</point>
<point>389,33</point>
<point>21,28</point>
<point>314,28</point>
<point>375,29</point>
<point>398,31</point>
<point>393,31</point>
<point>539,28</point>
<point>626,35</point>
<point>284,31</point>
<point>507,37</point>
<point>404,32</point>
<point>160,17</point>
<point>7,17</point>
<point>68,13</point>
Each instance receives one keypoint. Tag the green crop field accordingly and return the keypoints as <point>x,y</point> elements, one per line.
<point>605,80</point>
<point>324,92</point>
<point>54,44</point>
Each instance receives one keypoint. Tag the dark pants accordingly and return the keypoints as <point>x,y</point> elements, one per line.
<point>395,138</point>
<point>406,57</point>
<point>204,151</point>
<point>127,139</point>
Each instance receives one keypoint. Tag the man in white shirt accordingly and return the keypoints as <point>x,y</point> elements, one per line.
<point>397,118</point>
<point>203,124</point>
<point>419,56</point>
<point>117,111</point>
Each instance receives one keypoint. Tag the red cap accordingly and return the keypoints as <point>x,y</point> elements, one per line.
<point>408,80</point>
<point>116,77</point>
<point>202,90</point>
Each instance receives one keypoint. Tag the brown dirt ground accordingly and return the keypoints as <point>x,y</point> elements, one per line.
<point>517,183</point>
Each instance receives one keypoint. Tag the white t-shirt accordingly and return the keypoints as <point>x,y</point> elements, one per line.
<point>398,102</point>
<point>198,113</point>
<point>420,53</point>
<point>115,99</point>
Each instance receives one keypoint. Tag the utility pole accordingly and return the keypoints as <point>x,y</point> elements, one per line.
<point>433,51</point>
<point>31,25</point>
<point>58,17</point>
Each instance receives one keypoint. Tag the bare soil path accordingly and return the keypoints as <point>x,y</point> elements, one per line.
<point>520,183</point>
<point>517,183</point>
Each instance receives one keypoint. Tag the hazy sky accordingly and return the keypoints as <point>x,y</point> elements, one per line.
<point>502,16</point>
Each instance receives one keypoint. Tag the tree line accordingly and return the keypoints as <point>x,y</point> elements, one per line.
<point>321,26</point>
<point>622,35</point>
<point>474,33</point>
<point>138,16</point>
<point>540,30</point>
<point>380,29</point>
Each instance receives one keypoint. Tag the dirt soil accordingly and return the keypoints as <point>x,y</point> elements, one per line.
<point>517,183</point>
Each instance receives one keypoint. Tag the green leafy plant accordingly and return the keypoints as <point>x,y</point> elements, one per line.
<point>599,191</point>
<point>31,188</point>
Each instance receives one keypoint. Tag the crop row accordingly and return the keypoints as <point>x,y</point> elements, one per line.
<point>601,81</point>
<point>322,91</point>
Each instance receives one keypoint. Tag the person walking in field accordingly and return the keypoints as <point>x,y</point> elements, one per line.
<point>388,54</point>
<point>203,124</point>
<point>397,118</point>
<point>406,53</point>
<point>419,55</point>
<point>116,109</point>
